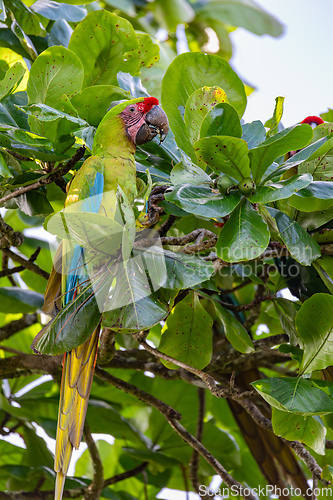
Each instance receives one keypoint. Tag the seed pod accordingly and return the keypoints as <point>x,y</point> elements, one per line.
<point>224,183</point>
<point>247,186</point>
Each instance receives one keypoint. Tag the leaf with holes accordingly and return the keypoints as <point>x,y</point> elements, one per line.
<point>105,44</point>
<point>226,155</point>
<point>281,190</point>
<point>189,72</point>
<point>222,119</point>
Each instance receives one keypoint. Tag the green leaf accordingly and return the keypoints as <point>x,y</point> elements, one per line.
<point>234,330</point>
<point>175,270</point>
<point>85,101</point>
<point>324,267</point>
<point>276,118</point>
<point>296,395</point>
<point>316,196</point>
<point>244,13</point>
<point>149,52</point>
<point>203,201</point>
<point>320,163</point>
<point>171,14</point>
<point>286,311</point>
<point>314,324</point>
<point>55,11</point>
<point>222,119</point>
<point>274,191</point>
<point>26,143</point>
<point>105,44</point>
<point>16,300</point>
<point>55,72</point>
<point>307,430</point>
<point>197,107</point>
<point>71,326</point>
<point>4,170</point>
<point>289,139</point>
<point>12,79</point>
<point>189,72</point>
<point>244,236</point>
<point>27,20</point>
<point>300,244</point>
<point>223,154</point>
<point>152,456</point>
<point>134,316</point>
<point>186,172</point>
<point>253,133</point>
<point>187,334</point>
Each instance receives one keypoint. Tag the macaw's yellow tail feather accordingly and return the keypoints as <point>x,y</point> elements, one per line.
<point>77,376</point>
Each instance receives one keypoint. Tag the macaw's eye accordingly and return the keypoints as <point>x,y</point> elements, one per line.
<point>132,109</point>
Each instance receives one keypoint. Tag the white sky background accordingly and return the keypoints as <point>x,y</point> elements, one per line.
<point>297,65</point>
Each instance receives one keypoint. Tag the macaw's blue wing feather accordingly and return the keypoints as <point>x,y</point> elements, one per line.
<point>76,270</point>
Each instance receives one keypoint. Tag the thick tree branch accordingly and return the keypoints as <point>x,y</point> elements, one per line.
<point>9,237</point>
<point>194,462</point>
<point>17,325</point>
<point>26,264</point>
<point>47,179</point>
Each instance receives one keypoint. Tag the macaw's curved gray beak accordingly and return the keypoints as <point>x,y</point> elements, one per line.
<point>156,123</point>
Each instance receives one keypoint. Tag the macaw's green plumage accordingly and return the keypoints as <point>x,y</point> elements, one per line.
<point>110,166</point>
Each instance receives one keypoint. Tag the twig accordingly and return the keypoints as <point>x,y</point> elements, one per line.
<point>125,475</point>
<point>247,307</point>
<point>5,271</point>
<point>95,488</point>
<point>219,392</point>
<point>194,462</point>
<point>187,238</point>
<point>47,179</point>
<point>27,264</point>
<point>8,272</point>
<point>17,325</point>
<point>164,228</point>
<point>9,237</point>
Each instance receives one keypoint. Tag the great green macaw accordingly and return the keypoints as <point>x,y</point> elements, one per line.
<point>111,165</point>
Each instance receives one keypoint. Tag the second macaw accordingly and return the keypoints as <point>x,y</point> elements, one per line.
<point>110,166</point>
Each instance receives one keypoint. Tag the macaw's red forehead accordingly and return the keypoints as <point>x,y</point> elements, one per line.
<point>147,104</point>
<point>313,119</point>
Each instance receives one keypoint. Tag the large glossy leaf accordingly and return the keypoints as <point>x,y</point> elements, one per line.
<point>289,139</point>
<point>187,172</point>
<point>175,270</point>
<point>56,71</point>
<point>320,163</point>
<point>314,324</point>
<point>324,267</point>
<point>187,334</point>
<point>295,427</point>
<point>85,101</point>
<point>105,44</point>
<point>203,201</point>
<point>71,327</point>
<point>189,72</point>
<point>27,143</point>
<point>300,244</point>
<point>46,113</point>
<point>173,13</point>
<point>11,80</point>
<point>27,20</point>
<point>296,395</point>
<point>55,11</point>
<point>198,105</point>
<point>254,133</point>
<point>274,191</point>
<point>245,235</point>
<point>222,119</point>
<point>234,330</point>
<point>16,300</point>
<point>316,196</point>
<point>245,13</point>
<point>223,154</point>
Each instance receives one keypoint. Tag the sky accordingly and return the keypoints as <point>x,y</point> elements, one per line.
<point>297,65</point>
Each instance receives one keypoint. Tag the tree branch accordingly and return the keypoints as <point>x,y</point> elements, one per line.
<point>47,179</point>
<point>194,462</point>
<point>9,237</point>
<point>95,488</point>
<point>27,264</point>
<point>17,325</point>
